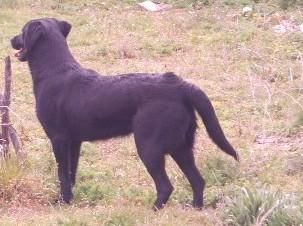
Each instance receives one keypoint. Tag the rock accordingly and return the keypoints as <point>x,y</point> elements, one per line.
<point>247,11</point>
<point>154,7</point>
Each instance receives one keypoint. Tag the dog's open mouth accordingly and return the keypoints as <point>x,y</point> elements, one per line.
<point>21,52</point>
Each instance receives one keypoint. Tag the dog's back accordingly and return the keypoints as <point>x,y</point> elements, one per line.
<point>96,107</point>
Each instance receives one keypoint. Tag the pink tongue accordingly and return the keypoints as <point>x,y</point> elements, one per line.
<point>17,54</point>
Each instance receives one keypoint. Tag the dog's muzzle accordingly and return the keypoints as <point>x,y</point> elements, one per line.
<point>17,43</point>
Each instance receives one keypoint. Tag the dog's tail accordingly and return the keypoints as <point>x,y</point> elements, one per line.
<point>205,109</point>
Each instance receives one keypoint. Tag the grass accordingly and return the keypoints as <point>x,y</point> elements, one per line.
<point>251,207</point>
<point>10,170</point>
<point>252,75</point>
<point>263,207</point>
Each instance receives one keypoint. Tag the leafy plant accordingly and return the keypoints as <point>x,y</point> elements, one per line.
<point>263,207</point>
<point>251,206</point>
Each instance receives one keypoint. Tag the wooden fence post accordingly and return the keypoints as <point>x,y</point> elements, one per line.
<point>5,102</point>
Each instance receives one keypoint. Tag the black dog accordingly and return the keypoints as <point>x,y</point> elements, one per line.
<point>75,104</point>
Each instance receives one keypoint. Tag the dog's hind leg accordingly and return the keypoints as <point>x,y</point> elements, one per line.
<point>74,159</point>
<point>61,148</point>
<point>185,159</point>
<point>155,165</point>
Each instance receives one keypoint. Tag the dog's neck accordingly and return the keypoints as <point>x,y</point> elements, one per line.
<point>51,56</point>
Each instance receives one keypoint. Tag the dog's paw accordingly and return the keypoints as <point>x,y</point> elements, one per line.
<point>61,201</point>
<point>157,207</point>
<point>197,204</point>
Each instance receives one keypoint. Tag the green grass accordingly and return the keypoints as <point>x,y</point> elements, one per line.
<point>263,207</point>
<point>219,171</point>
<point>252,75</point>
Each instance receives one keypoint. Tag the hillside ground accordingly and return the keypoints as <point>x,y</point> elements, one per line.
<point>252,74</point>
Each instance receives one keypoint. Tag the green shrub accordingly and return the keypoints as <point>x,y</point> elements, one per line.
<point>290,212</point>
<point>263,207</point>
<point>250,206</point>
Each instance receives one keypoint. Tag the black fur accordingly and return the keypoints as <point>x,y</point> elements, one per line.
<point>75,104</point>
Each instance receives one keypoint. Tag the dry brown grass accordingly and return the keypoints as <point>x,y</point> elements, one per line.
<point>252,75</point>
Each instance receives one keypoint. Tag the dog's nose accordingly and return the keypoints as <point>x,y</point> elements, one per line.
<point>16,42</point>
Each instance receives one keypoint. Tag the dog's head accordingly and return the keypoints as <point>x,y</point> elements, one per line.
<point>37,31</point>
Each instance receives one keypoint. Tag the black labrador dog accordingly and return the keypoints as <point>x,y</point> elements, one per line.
<point>75,104</point>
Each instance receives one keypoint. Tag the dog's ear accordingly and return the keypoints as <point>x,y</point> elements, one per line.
<point>32,33</point>
<point>65,27</point>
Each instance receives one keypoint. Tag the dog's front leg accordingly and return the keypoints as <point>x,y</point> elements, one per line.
<point>61,147</point>
<point>74,159</point>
